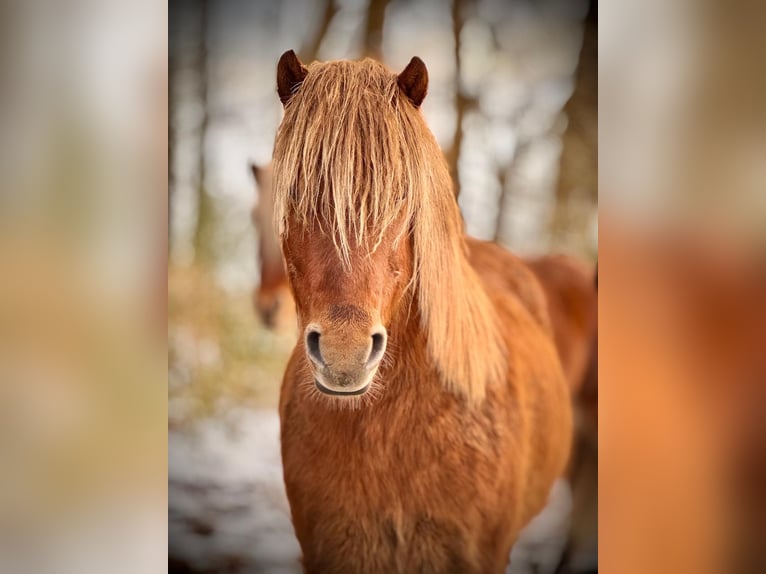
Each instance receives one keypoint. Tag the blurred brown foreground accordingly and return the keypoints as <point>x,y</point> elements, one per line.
<point>682,432</point>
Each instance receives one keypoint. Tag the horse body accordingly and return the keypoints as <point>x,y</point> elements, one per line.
<point>419,480</point>
<point>424,413</point>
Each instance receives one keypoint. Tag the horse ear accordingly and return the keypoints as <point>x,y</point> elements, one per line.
<point>257,172</point>
<point>290,74</point>
<point>413,81</point>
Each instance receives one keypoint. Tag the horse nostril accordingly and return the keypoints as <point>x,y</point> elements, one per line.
<point>312,346</point>
<point>378,346</point>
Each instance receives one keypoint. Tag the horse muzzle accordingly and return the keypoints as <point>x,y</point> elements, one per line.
<point>343,366</point>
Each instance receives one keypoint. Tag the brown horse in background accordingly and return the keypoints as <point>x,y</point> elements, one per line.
<point>570,293</point>
<point>272,299</point>
<point>424,412</point>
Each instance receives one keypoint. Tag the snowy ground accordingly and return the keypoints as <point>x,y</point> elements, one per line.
<point>228,511</point>
<point>227,507</point>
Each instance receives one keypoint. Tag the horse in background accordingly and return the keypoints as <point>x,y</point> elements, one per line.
<point>424,413</point>
<point>272,300</point>
<point>572,302</point>
<point>572,294</point>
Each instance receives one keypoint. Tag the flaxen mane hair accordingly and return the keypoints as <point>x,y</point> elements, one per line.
<point>354,155</point>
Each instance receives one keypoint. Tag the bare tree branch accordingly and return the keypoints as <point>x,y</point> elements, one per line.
<point>463,103</point>
<point>205,229</point>
<point>373,32</point>
<point>172,96</point>
<point>310,52</point>
<point>578,171</point>
<point>502,176</point>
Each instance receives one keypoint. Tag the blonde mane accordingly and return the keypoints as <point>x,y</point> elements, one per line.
<point>354,156</point>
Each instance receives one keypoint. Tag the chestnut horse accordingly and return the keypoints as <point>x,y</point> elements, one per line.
<point>571,302</point>
<point>424,413</point>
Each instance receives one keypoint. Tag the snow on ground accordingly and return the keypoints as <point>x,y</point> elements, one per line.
<point>227,507</point>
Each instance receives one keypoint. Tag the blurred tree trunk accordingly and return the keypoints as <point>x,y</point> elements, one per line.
<point>463,103</point>
<point>578,171</point>
<point>205,230</point>
<point>508,177</point>
<point>373,32</point>
<point>172,75</point>
<point>311,50</point>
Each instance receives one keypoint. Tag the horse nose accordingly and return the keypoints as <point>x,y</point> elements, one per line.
<point>345,356</point>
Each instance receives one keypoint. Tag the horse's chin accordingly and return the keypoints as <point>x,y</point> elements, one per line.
<point>342,392</point>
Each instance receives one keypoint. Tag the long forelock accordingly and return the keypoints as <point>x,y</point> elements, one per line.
<point>345,157</point>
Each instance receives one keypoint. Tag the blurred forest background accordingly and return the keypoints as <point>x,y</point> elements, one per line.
<point>513,103</point>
